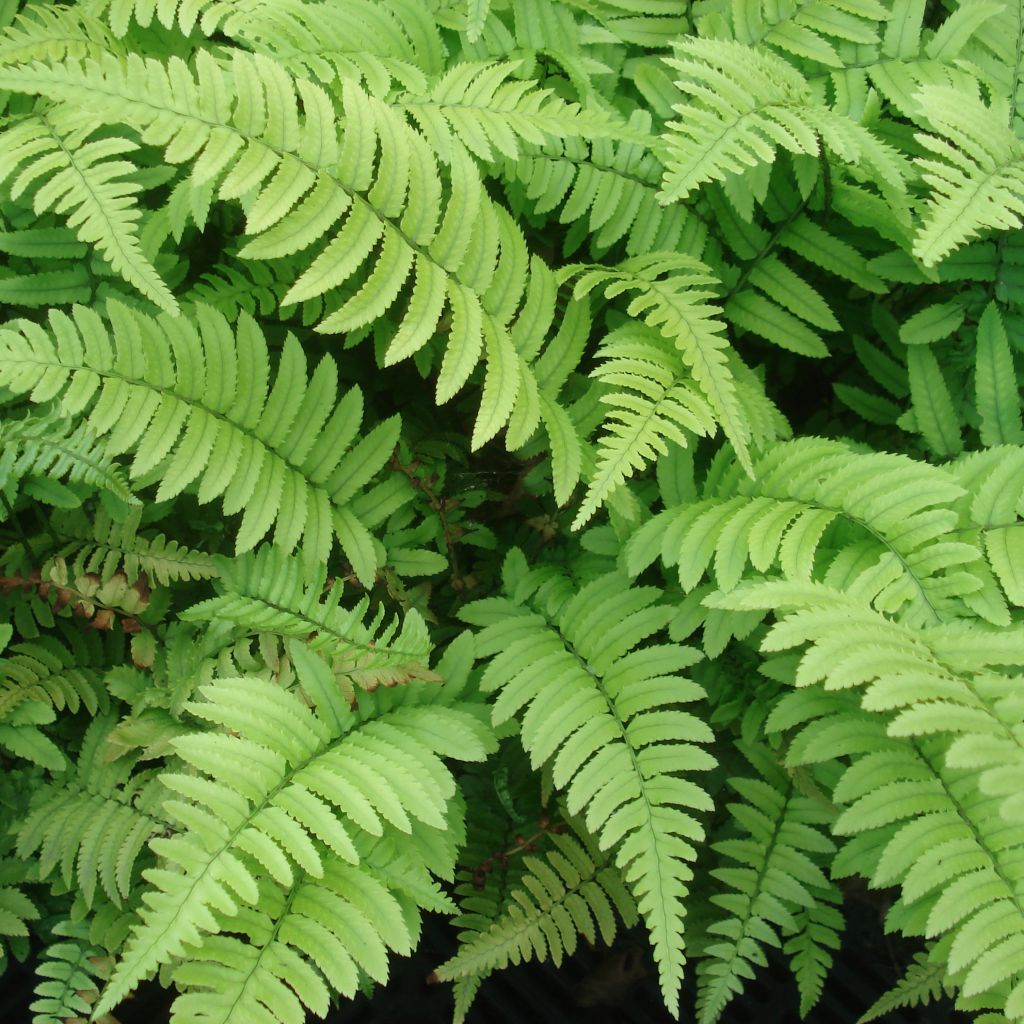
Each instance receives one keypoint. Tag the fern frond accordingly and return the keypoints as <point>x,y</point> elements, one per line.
<point>71,972</point>
<point>812,946</point>
<point>54,161</point>
<point>974,167</point>
<point>94,824</point>
<point>652,400</point>
<point>774,876</point>
<point>997,392</point>
<point>44,670</point>
<point>569,892</point>
<point>943,679</point>
<point>477,104</point>
<point>269,592</point>
<point>379,44</point>
<point>276,787</point>
<point>16,911</point>
<point>53,33</point>
<point>147,385</point>
<point>814,31</point>
<point>918,822</point>
<point>604,714</point>
<point>609,188</point>
<point>671,295</point>
<point>59,450</point>
<point>105,546</point>
<point>922,983</point>
<point>274,961</point>
<point>994,506</point>
<point>904,512</point>
<point>744,104</point>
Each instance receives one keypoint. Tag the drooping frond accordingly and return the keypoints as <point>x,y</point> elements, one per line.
<point>52,158</point>
<point>268,591</point>
<point>604,713</point>
<point>771,875</point>
<point>92,826</point>
<point>275,788</point>
<point>190,399</point>
<point>917,822</point>
<point>568,892</point>
<point>974,167</point>
<point>56,449</point>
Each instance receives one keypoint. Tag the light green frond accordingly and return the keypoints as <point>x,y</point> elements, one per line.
<point>492,114</point>
<point>275,789</point>
<point>278,961</point>
<point>743,105</point>
<point>996,384</point>
<point>53,159</point>
<point>651,400</point>
<point>299,177</point>
<point>918,822</point>
<point>609,187</point>
<point>671,294</point>
<point>105,546</point>
<point>93,826</point>
<point>974,168</point>
<point>786,513</point>
<point>357,39</point>
<point>604,713</point>
<point>817,31</point>
<point>53,33</point>
<point>952,679</point>
<point>190,399</point>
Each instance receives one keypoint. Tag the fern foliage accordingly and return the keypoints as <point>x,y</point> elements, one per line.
<point>555,464</point>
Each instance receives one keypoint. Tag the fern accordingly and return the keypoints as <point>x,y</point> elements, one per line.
<point>283,788</point>
<point>203,429</point>
<point>972,168</point>
<point>606,745</point>
<point>567,893</point>
<point>270,593</point>
<point>772,879</point>
<point>94,825</point>
<point>553,335</point>
<point>84,181</point>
